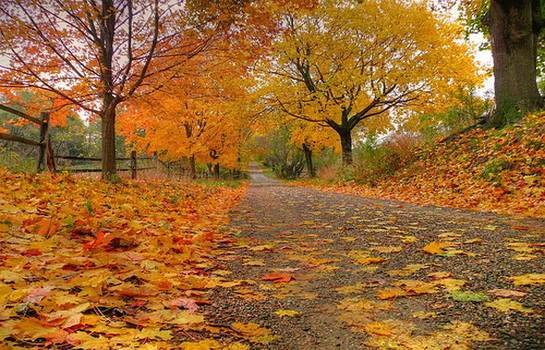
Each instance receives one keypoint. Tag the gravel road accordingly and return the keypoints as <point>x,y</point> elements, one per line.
<point>336,259</point>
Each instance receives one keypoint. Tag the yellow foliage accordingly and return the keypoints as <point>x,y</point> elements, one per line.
<point>340,65</point>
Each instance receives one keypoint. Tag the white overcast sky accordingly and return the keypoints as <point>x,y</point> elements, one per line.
<point>485,58</point>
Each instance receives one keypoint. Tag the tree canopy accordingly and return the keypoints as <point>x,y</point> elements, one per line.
<point>339,64</point>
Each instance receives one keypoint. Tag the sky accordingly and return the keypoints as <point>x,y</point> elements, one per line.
<point>485,58</point>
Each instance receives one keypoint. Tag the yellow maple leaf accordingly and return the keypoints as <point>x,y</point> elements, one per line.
<point>436,247</point>
<point>450,284</point>
<point>392,293</point>
<point>70,317</point>
<point>207,344</point>
<point>531,279</point>
<point>506,304</point>
<point>185,317</point>
<point>387,249</point>
<point>251,329</point>
<point>366,261</point>
<point>237,346</point>
<point>290,313</point>
<point>466,332</point>
<point>377,328</point>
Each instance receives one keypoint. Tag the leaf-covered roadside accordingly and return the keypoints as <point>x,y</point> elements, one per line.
<point>502,171</point>
<point>85,264</point>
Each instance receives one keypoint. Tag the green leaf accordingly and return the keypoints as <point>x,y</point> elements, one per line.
<point>460,295</point>
<point>69,221</point>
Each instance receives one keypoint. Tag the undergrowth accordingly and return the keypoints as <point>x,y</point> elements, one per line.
<point>500,170</point>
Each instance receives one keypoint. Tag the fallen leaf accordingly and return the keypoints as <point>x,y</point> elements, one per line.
<point>530,279</point>
<point>277,277</point>
<point>251,329</point>
<point>290,313</point>
<point>436,247</point>
<point>508,305</point>
<point>366,261</point>
<point>201,345</point>
<point>387,249</point>
<point>377,328</point>
<point>459,295</point>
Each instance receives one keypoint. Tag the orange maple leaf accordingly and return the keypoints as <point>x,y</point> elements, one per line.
<point>277,277</point>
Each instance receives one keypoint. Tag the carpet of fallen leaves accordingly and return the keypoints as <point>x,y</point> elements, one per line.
<point>90,265</point>
<point>501,171</point>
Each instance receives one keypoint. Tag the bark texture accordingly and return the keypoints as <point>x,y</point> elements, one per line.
<point>192,168</point>
<point>346,147</point>
<point>514,29</point>
<point>109,165</point>
<point>308,159</point>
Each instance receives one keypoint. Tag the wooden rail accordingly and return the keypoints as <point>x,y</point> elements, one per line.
<point>13,138</point>
<point>133,165</point>
<point>45,154</point>
<point>20,114</point>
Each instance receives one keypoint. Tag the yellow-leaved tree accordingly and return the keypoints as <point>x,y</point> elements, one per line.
<point>340,63</point>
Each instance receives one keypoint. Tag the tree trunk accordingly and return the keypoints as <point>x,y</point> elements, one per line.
<point>346,146</point>
<point>107,20</point>
<point>109,165</point>
<point>192,168</point>
<point>514,31</point>
<point>217,171</point>
<point>308,159</point>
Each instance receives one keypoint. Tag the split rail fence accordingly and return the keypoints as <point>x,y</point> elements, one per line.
<point>45,153</point>
<point>46,156</point>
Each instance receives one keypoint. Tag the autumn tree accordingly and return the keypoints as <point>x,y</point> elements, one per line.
<point>194,119</point>
<point>339,64</point>
<point>95,54</point>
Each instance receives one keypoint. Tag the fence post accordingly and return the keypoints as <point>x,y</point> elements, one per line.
<point>133,165</point>
<point>50,156</point>
<point>44,128</point>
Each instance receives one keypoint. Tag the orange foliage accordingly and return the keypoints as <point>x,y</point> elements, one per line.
<point>35,101</point>
<point>194,116</point>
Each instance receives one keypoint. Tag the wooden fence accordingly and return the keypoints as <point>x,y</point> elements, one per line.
<point>45,154</point>
<point>133,165</point>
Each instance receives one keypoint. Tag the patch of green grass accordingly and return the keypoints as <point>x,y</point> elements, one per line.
<point>221,183</point>
<point>494,167</point>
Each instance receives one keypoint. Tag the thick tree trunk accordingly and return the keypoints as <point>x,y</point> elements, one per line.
<point>344,129</point>
<point>346,146</point>
<point>308,159</point>
<point>217,171</point>
<point>514,28</point>
<point>109,165</point>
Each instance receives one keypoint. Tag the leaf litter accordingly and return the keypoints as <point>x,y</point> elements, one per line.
<point>90,265</point>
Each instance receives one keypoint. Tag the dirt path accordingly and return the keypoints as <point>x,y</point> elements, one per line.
<point>354,271</point>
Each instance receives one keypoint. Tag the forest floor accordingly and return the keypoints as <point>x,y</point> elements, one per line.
<point>146,265</point>
<point>338,271</point>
